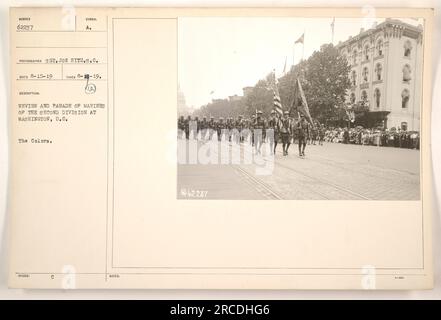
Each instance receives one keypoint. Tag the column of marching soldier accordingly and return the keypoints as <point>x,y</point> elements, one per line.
<point>275,129</point>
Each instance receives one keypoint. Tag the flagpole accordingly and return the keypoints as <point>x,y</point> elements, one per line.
<point>332,30</point>
<point>294,55</point>
<point>303,43</point>
<point>284,67</point>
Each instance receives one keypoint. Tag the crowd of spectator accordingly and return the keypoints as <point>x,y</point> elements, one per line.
<point>377,137</point>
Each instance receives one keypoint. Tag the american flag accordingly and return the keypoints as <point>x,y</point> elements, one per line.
<point>276,101</point>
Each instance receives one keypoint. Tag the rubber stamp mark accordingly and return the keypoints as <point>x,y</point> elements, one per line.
<point>90,88</point>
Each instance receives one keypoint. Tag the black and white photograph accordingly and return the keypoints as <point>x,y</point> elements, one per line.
<point>299,108</point>
<point>149,149</point>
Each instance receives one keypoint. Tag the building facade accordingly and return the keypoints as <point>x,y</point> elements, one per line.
<point>183,109</point>
<point>386,73</point>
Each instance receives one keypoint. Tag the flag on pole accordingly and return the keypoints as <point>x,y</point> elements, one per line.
<point>303,108</point>
<point>332,30</point>
<point>301,39</point>
<point>277,104</point>
<point>276,96</point>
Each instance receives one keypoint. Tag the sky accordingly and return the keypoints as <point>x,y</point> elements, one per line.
<point>219,56</point>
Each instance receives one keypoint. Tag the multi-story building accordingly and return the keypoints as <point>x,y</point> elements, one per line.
<point>386,73</point>
<point>183,109</point>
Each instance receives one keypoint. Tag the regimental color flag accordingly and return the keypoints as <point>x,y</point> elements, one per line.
<point>303,107</point>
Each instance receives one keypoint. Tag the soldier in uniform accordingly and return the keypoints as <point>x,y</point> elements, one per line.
<point>293,130</point>
<point>181,126</point>
<point>246,129</point>
<point>211,127</point>
<point>204,127</point>
<point>285,131</point>
<point>227,129</point>
<point>292,124</point>
<point>272,131</point>
<point>230,129</point>
<point>196,132</point>
<point>220,128</point>
<point>258,129</point>
<point>187,127</point>
<point>302,133</point>
<point>253,120</point>
<point>239,127</point>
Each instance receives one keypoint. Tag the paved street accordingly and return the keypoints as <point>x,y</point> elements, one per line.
<point>332,171</point>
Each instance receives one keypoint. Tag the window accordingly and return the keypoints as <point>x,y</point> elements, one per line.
<point>379,47</point>
<point>352,98</point>
<point>377,97</point>
<point>364,97</point>
<point>405,98</point>
<point>366,52</point>
<point>404,126</point>
<point>365,74</point>
<point>407,48</point>
<point>354,78</point>
<point>354,56</point>
<point>406,73</point>
<point>378,70</point>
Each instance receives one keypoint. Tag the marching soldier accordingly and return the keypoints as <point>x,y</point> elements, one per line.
<point>285,132</point>
<point>181,126</point>
<point>302,133</point>
<point>246,129</point>
<point>292,124</point>
<point>293,130</point>
<point>272,131</point>
<point>211,128</point>
<point>258,129</point>
<point>239,127</point>
<point>196,132</point>
<point>253,120</point>
<point>229,128</point>
<point>204,127</point>
<point>220,128</point>
<point>187,124</point>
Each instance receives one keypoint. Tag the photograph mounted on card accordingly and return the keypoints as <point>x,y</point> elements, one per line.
<point>144,141</point>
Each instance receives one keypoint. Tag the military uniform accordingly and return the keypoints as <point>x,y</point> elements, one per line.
<point>230,127</point>
<point>204,127</point>
<point>285,132</point>
<point>181,126</point>
<point>258,130</point>
<point>187,127</point>
<point>253,119</point>
<point>292,126</point>
<point>246,129</point>
<point>211,128</point>
<point>302,133</point>
<point>272,131</point>
<point>220,128</point>
<point>197,129</point>
<point>239,126</point>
